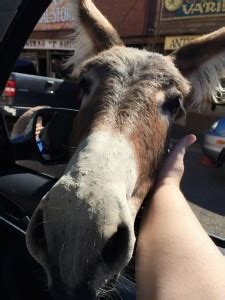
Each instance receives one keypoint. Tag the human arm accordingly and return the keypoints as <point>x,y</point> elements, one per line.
<point>175,257</point>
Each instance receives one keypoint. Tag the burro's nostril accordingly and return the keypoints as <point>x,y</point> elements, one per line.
<point>115,251</point>
<point>35,237</point>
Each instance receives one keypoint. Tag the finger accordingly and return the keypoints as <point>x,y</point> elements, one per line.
<point>185,142</point>
<point>179,150</point>
<point>173,166</point>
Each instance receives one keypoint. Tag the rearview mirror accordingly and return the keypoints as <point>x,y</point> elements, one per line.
<point>51,130</point>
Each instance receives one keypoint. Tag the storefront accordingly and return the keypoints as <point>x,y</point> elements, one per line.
<point>50,45</point>
<point>49,55</point>
<point>180,21</point>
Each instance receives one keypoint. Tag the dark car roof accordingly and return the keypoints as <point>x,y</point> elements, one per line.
<point>25,66</point>
<point>17,20</point>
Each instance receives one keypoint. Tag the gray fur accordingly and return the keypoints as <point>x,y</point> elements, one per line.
<point>206,79</point>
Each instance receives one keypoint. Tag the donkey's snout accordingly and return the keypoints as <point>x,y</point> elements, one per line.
<point>87,232</point>
<point>75,253</point>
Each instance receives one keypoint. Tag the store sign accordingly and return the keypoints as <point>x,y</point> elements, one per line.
<point>59,15</point>
<point>50,44</point>
<point>192,8</point>
<point>175,42</point>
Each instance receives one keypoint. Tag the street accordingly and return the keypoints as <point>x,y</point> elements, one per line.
<point>204,187</point>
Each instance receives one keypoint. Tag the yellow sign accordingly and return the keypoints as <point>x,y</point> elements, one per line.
<point>175,42</point>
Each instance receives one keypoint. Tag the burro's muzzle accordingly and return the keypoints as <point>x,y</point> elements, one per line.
<point>82,232</point>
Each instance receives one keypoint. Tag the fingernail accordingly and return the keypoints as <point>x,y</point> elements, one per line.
<point>191,139</point>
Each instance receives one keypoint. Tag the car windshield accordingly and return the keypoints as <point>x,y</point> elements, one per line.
<point>8,10</point>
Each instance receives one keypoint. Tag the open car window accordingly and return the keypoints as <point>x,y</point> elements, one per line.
<point>17,19</point>
<point>8,10</point>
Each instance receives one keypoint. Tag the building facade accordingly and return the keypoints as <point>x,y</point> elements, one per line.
<point>50,44</point>
<point>180,21</point>
<point>162,25</point>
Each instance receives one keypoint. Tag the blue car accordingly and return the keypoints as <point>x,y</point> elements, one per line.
<point>213,142</point>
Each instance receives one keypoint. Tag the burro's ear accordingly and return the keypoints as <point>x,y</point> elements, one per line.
<point>93,32</point>
<point>202,62</point>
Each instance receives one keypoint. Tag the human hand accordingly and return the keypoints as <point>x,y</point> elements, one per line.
<point>173,168</point>
<point>168,183</point>
<point>170,175</point>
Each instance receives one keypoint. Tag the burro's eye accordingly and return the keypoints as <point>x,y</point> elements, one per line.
<point>173,105</point>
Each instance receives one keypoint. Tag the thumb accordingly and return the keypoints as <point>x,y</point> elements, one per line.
<point>179,150</point>
<point>173,168</point>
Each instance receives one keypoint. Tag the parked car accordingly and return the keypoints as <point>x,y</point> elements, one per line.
<point>25,66</point>
<point>213,142</point>
<point>23,91</point>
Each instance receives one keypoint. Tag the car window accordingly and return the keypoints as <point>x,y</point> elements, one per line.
<point>8,9</point>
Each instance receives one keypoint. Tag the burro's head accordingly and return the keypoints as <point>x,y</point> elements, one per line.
<point>82,232</point>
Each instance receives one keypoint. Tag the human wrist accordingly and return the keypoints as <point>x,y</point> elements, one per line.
<point>173,183</point>
<point>165,190</point>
